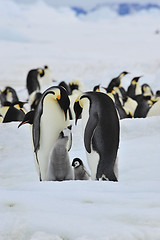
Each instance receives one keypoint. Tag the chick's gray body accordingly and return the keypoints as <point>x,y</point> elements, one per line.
<point>59,168</point>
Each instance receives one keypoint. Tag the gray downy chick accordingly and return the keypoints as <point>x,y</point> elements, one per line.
<point>59,168</point>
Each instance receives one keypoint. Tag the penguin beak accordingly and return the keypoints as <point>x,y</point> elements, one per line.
<point>22,123</point>
<point>28,118</point>
<point>58,97</point>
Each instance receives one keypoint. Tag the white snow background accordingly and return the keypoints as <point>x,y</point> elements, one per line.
<point>93,48</point>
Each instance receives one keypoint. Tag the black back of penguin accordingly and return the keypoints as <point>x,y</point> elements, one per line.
<point>102,132</point>
<point>32,83</point>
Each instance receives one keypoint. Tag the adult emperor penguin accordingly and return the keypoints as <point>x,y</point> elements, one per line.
<point>134,88</point>
<point>50,118</point>
<point>80,172</point>
<point>115,84</point>
<point>32,81</point>
<point>100,126</point>
<point>59,167</point>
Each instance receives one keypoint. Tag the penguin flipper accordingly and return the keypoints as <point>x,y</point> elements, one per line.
<point>89,131</point>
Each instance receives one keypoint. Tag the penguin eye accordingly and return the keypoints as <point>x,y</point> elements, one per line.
<point>76,164</point>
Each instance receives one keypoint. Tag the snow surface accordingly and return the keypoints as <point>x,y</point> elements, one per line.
<point>93,49</point>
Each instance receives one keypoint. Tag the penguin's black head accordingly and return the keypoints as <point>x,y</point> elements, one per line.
<point>77,162</point>
<point>77,110</point>
<point>158,93</point>
<point>28,118</point>
<point>136,79</point>
<point>66,86</point>
<point>124,73</point>
<point>41,72</point>
<point>64,101</point>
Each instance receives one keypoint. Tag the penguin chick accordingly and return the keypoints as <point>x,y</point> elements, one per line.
<point>59,168</point>
<point>80,172</point>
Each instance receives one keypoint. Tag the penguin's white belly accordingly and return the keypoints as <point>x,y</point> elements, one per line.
<point>93,157</point>
<point>138,89</point>
<point>51,124</point>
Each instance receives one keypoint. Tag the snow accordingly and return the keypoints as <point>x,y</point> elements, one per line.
<point>93,49</point>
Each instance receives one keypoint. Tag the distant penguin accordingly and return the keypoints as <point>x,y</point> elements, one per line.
<point>46,80</point>
<point>9,95</point>
<point>32,81</point>
<point>59,167</point>
<point>130,105</point>
<point>80,172</point>
<point>115,84</point>
<point>134,88</point>
<point>50,118</point>
<point>100,126</point>
<point>146,90</point>
<point>143,107</point>
<point>157,93</point>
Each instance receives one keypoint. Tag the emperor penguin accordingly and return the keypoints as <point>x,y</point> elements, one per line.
<point>9,95</point>
<point>32,81</point>
<point>146,90</point>
<point>49,118</point>
<point>134,88</point>
<point>46,80</point>
<point>80,172</point>
<point>100,124</point>
<point>115,84</point>
<point>59,167</point>
<point>143,107</point>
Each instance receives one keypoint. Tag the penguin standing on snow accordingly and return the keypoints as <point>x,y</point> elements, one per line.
<point>59,167</point>
<point>100,125</point>
<point>80,172</point>
<point>32,81</point>
<point>50,118</point>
